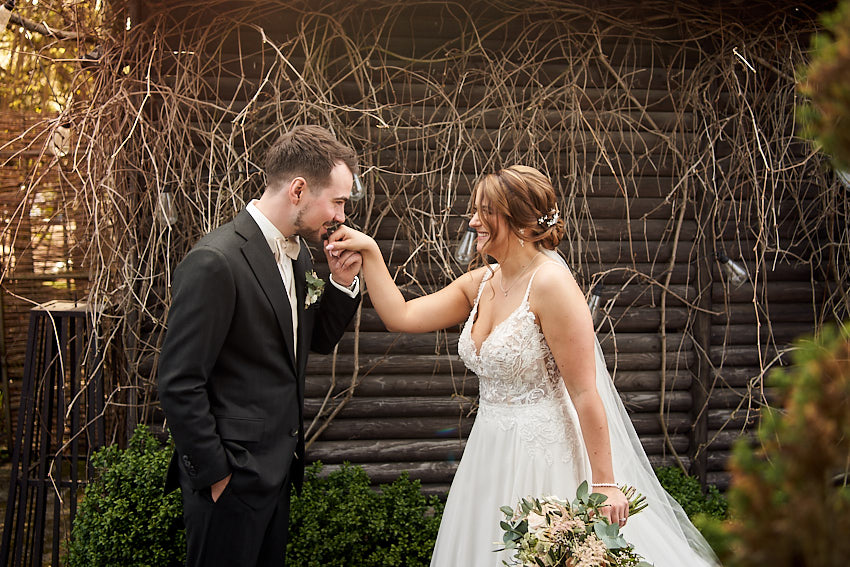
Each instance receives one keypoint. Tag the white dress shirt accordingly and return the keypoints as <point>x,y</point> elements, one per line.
<point>270,232</point>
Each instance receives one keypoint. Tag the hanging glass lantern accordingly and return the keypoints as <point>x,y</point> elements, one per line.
<point>357,189</point>
<point>166,211</point>
<point>60,140</point>
<point>466,248</point>
<point>594,300</point>
<point>735,274</point>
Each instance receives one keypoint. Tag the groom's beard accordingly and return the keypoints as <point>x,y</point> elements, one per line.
<point>311,235</point>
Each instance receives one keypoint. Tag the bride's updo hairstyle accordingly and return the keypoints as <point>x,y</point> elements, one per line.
<point>526,199</point>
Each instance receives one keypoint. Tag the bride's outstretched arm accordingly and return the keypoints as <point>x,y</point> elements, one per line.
<point>444,308</point>
<point>568,328</point>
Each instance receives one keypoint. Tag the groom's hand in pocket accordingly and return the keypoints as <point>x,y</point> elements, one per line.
<point>217,488</point>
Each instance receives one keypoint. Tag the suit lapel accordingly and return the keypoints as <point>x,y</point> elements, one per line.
<point>261,260</point>
<point>301,266</point>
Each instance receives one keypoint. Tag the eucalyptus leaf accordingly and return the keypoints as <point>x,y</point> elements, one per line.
<point>599,530</point>
<point>582,492</point>
<point>618,542</point>
<point>522,527</point>
<point>596,499</point>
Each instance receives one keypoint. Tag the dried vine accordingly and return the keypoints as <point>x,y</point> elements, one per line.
<point>181,114</point>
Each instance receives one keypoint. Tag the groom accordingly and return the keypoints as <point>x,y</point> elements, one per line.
<point>243,317</point>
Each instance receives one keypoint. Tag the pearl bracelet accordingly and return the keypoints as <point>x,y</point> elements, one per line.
<point>604,484</point>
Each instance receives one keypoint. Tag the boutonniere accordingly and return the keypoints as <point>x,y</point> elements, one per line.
<point>315,287</point>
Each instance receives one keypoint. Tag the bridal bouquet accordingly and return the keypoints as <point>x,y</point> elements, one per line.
<point>549,532</point>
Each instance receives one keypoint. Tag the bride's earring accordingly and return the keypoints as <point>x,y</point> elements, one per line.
<point>521,242</point>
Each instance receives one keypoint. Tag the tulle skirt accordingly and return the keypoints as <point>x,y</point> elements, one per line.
<point>531,450</point>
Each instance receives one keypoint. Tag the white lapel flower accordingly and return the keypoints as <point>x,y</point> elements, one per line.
<point>315,287</point>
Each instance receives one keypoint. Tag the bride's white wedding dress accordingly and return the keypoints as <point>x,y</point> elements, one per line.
<point>526,441</point>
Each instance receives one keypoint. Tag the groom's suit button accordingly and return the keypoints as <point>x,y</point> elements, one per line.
<point>293,432</point>
<point>187,464</point>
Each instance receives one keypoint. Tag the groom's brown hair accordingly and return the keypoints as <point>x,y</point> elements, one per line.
<point>306,151</point>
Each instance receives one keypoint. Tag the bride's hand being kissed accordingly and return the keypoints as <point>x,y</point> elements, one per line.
<point>439,310</point>
<point>347,238</point>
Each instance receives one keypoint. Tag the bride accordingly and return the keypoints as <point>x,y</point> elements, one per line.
<point>549,417</point>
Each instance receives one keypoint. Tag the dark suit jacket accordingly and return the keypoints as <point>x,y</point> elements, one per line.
<point>228,382</point>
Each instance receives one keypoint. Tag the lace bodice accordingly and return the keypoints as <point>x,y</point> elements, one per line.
<point>515,365</point>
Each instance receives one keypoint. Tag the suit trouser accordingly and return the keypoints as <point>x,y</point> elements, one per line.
<point>229,533</point>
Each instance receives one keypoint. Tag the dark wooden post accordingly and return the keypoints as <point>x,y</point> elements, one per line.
<point>701,385</point>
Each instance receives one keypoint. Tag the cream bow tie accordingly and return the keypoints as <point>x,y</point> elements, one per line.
<point>286,246</point>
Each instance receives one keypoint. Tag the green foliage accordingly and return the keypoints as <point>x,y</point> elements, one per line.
<point>37,72</point>
<point>716,533</point>
<point>707,509</point>
<point>126,518</point>
<point>789,496</point>
<point>687,491</point>
<point>339,517</point>
<point>826,83</point>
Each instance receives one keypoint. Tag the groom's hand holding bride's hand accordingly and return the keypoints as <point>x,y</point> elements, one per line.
<point>344,264</point>
<point>348,240</point>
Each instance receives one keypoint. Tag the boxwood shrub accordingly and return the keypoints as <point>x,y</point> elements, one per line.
<point>339,520</point>
<point>687,491</point>
<point>126,518</point>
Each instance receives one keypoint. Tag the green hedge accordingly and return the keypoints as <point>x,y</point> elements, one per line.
<point>339,517</point>
<point>125,518</point>
<point>687,491</point>
<point>708,509</point>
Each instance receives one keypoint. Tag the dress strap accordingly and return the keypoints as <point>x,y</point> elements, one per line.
<point>487,275</point>
<point>531,279</point>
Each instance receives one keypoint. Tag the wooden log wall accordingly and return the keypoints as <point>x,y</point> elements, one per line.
<point>686,371</point>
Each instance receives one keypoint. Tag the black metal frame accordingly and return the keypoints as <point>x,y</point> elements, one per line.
<point>61,416</point>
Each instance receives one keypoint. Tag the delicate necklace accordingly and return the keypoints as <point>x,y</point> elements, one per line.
<point>506,290</point>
